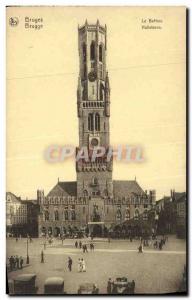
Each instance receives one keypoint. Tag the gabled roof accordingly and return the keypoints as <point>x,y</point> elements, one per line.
<point>124,188</point>
<point>67,188</point>
<point>13,197</point>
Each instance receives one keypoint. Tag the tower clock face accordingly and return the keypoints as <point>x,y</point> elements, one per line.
<point>92,76</point>
<point>94,142</point>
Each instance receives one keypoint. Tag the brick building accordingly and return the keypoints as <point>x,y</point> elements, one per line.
<point>94,200</point>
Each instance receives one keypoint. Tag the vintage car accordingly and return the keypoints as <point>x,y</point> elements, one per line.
<point>24,284</point>
<point>54,285</point>
<point>88,288</point>
<point>122,286</point>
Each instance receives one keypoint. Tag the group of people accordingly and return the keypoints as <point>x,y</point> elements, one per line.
<point>159,244</point>
<point>84,247</point>
<point>15,262</point>
<point>81,267</point>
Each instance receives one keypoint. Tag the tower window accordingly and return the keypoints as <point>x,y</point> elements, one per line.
<point>101,90</point>
<point>84,92</point>
<point>84,52</point>
<point>90,122</point>
<point>92,50</point>
<point>66,215</point>
<point>56,215</point>
<point>97,122</point>
<point>100,53</point>
<point>84,70</point>
<point>46,215</point>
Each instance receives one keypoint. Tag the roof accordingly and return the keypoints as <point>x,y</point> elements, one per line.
<point>67,188</point>
<point>180,197</point>
<point>123,188</point>
<point>54,281</point>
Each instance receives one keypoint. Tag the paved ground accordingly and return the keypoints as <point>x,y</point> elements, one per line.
<point>154,271</point>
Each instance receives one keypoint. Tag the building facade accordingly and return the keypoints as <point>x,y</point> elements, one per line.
<point>94,200</point>
<point>21,216</point>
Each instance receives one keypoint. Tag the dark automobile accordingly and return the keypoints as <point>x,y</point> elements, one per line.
<point>54,285</point>
<point>122,286</point>
<point>24,284</point>
<point>88,288</point>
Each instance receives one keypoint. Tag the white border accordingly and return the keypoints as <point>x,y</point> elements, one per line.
<point>3,4</point>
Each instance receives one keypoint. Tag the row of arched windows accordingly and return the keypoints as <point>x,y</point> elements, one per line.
<point>94,122</point>
<point>92,52</point>
<point>127,215</point>
<point>66,215</point>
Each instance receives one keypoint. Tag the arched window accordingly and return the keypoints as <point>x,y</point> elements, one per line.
<point>100,53</point>
<point>56,215</point>
<point>66,215</point>
<point>90,122</point>
<point>97,122</point>
<point>92,50</point>
<point>84,94</point>
<point>95,181</point>
<point>85,193</point>
<point>73,216</point>
<point>127,214</point>
<point>84,52</point>
<point>84,70</point>
<point>136,215</point>
<point>46,215</point>
<point>118,215</point>
<point>145,215</point>
<point>101,92</point>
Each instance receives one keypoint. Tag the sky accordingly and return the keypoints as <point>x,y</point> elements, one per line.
<point>148,96</point>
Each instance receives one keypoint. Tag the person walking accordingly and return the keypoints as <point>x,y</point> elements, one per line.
<point>79,265</point>
<point>83,265</point>
<point>17,261</point>
<point>140,248</point>
<point>42,256</point>
<point>80,244</point>
<point>76,244</point>
<point>70,262</point>
<point>109,286</point>
<point>21,262</point>
<point>86,250</point>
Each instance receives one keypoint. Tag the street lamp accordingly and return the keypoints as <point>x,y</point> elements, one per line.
<point>27,261</point>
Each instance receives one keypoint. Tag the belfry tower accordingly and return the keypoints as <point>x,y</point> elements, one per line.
<point>94,178</point>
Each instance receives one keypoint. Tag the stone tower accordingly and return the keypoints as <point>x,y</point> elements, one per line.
<point>94,178</point>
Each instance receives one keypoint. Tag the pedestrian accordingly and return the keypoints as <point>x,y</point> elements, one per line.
<point>11,263</point>
<point>17,261</point>
<point>42,256</point>
<point>76,244</point>
<point>80,244</point>
<point>44,245</point>
<point>109,286</point>
<point>16,239</point>
<point>86,250</point>
<point>83,265</point>
<point>21,262</point>
<point>140,248</point>
<point>109,239</point>
<point>14,262</point>
<point>79,265</point>
<point>133,286</point>
<point>70,262</point>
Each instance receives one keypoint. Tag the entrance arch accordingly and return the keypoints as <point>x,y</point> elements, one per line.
<point>57,231</point>
<point>49,231</point>
<point>97,230</point>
